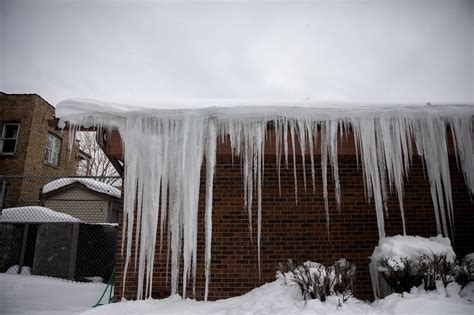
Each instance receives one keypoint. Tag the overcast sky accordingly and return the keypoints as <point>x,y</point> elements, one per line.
<point>373,50</point>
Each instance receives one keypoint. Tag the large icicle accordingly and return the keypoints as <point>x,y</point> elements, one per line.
<point>210,165</point>
<point>164,151</point>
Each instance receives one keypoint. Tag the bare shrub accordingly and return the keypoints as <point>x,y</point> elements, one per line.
<point>465,273</point>
<point>401,275</point>
<point>316,281</point>
<point>436,268</point>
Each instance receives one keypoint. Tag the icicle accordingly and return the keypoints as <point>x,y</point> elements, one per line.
<point>333,126</point>
<point>210,165</point>
<point>276,125</point>
<point>164,182</point>
<point>192,147</point>
<point>365,133</point>
<point>285,140</point>
<point>309,129</point>
<point>302,139</point>
<point>293,149</point>
<point>130,184</point>
<point>324,172</point>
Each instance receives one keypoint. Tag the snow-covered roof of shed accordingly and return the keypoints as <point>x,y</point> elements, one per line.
<point>34,214</point>
<point>90,183</point>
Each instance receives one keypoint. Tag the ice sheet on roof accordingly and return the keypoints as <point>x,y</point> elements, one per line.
<point>90,183</point>
<point>34,214</point>
<point>75,107</point>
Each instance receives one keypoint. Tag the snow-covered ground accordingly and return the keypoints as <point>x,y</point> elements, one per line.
<point>277,298</point>
<point>43,295</point>
<point>21,294</point>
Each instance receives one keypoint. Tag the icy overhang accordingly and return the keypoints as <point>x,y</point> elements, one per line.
<point>87,111</point>
<point>166,143</point>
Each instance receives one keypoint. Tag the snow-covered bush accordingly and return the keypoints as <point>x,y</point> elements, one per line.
<point>399,263</point>
<point>436,268</point>
<point>465,273</point>
<point>431,271</point>
<point>401,275</point>
<point>317,281</point>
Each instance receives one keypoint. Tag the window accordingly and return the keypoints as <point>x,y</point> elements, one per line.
<point>53,147</point>
<point>9,138</point>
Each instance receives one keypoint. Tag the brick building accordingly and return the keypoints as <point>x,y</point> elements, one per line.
<point>291,230</point>
<point>29,146</point>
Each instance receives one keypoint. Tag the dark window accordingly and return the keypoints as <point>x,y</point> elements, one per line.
<point>9,137</point>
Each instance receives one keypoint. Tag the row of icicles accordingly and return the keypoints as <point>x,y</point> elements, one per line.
<point>164,155</point>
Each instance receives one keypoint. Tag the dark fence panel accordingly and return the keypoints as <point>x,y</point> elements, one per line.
<point>68,231</point>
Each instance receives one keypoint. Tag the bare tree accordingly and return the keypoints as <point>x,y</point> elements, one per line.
<point>95,162</point>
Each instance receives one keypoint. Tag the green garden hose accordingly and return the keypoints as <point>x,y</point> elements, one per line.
<point>109,284</point>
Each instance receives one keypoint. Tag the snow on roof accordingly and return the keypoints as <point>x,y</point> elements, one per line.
<point>77,109</point>
<point>397,247</point>
<point>34,214</point>
<point>90,183</point>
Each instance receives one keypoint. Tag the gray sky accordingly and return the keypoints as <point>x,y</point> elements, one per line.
<point>390,51</point>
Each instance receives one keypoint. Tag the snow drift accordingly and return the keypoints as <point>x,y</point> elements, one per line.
<point>276,298</point>
<point>178,136</point>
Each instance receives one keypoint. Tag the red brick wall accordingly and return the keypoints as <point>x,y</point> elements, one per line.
<point>294,230</point>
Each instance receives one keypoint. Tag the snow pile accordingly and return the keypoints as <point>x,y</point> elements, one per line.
<point>396,248</point>
<point>34,214</point>
<point>90,183</point>
<point>13,270</point>
<point>276,298</point>
<point>44,295</point>
<point>166,144</point>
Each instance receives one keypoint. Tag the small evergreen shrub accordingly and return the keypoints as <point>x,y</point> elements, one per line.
<point>316,281</point>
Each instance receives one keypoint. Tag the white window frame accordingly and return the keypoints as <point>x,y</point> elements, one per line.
<point>51,151</point>
<point>2,138</point>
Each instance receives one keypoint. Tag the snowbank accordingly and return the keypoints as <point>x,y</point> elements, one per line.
<point>92,184</point>
<point>397,247</point>
<point>43,295</point>
<point>34,214</point>
<point>276,298</point>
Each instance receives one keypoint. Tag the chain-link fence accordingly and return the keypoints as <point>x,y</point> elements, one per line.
<point>63,227</point>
